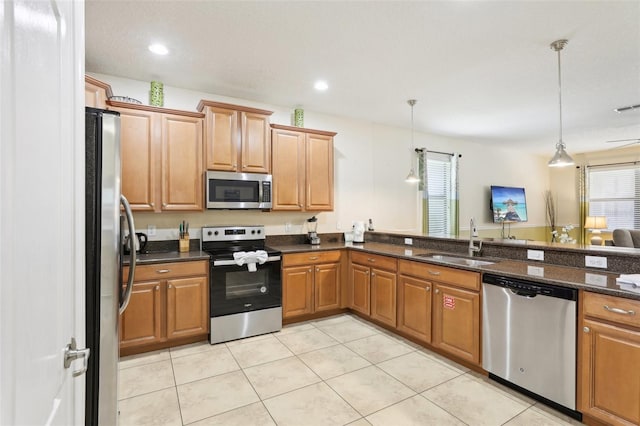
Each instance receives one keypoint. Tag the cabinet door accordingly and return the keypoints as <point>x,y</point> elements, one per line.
<point>359,295</point>
<point>383,296</point>
<point>182,176</point>
<point>414,307</point>
<point>95,96</point>
<point>256,143</point>
<point>609,380</point>
<point>319,173</point>
<point>222,139</point>
<point>288,170</point>
<point>327,287</point>
<point>297,291</point>
<point>187,307</point>
<point>139,156</point>
<point>456,322</point>
<point>141,322</point>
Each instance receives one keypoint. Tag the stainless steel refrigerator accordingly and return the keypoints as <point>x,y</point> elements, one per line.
<point>106,297</point>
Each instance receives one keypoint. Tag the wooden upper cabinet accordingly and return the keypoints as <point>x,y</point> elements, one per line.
<point>181,163</point>
<point>161,155</point>
<point>288,150</point>
<point>302,162</point>
<point>96,92</point>
<point>237,138</point>
<point>138,153</point>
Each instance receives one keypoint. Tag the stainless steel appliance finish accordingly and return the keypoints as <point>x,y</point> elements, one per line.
<point>105,299</point>
<point>228,190</point>
<point>529,337</point>
<point>245,300</point>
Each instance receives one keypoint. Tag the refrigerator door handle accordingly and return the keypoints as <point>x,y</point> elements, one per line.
<point>132,249</point>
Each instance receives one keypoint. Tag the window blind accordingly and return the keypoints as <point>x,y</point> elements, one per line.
<point>614,192</point>
<point>438,192</point>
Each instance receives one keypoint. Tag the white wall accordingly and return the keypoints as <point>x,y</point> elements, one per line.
<point>371,162</point>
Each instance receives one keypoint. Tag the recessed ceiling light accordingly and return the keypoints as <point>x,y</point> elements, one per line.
<point>321,85</point>
<point>158,49</point>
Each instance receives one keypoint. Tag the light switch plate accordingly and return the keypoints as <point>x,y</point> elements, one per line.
<point>595,262</point>
<point>535,254</point>
<point>151,230</point>
<point>408,241</point>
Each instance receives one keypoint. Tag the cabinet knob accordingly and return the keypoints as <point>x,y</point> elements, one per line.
<point>152,204</point>
<point>164,204</point>
<point>367,272</point>
<point>437,291</point>
<point>586,329</point>
<point>317,269</point>
<point>427,288</point>
<point>310,270</point>
<point>157,288</point>
<point>170,286</point>
<point>373,274</point>
<point>434,273</point>
<point>372,260</point>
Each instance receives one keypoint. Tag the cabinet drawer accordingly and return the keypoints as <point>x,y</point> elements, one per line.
<point>611,308</point>
<point>457,277</point>
<point>311,258</point>
<point>168,270</point>
<point>374,260</point>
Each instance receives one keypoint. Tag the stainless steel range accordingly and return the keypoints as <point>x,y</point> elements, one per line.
<point>245,283</point>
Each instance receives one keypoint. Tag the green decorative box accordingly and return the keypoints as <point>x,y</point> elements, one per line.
<point>298,117</point>
<point>156,95</point>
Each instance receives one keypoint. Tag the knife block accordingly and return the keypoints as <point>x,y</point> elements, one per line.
<point>184,244</point>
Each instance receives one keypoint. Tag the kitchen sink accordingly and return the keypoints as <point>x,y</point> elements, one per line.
<point>457,260</point>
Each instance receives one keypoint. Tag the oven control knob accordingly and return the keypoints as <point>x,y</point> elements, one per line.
<point>253,231</point>
<point>258,231</point>
<point>263,289</point>
<point>215,233</point>
<point>209,233</point>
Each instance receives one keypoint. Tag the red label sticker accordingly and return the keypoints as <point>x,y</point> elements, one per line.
<point>449,302</point>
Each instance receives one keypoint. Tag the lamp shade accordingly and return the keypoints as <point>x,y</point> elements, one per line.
<point>596,222</point>
<point>561,158</point>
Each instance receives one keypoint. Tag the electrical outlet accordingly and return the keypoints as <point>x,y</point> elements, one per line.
<point>535,271</point>
<point>595,262</point>
<point>151,230</point>
<point>535,254</point>
<point>595,279</point>
<point>338,226</point>
<point>287,227</point>
<point>408,241</point>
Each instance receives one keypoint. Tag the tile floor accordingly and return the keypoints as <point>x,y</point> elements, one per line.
<point>335,371</point>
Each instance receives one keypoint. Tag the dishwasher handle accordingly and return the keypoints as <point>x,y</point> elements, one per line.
<point>523,293</point>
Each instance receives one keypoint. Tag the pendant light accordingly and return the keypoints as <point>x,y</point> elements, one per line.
<point>412,177</point>
<point>561,158</point>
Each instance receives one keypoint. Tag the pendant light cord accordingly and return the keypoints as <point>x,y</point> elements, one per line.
<point>560,92</point>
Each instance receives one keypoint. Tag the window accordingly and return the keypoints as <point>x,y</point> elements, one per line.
<point>438,186</point>
<point>614,192</point>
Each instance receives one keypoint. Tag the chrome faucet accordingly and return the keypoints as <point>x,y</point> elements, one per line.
<point>473,233</point>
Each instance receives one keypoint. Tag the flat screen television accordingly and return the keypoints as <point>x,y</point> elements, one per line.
<point>508,204</point>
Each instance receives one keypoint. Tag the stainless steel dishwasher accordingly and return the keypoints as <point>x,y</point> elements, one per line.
<point>529,338</point>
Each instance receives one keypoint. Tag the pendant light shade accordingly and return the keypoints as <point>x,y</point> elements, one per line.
<point>561,158</point>
<point>412,177</point>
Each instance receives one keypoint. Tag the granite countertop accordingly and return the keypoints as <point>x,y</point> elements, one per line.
<point>169,256</point>
<point>579,278</point>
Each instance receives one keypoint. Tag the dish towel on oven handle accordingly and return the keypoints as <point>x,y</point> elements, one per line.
<point>250,258</point>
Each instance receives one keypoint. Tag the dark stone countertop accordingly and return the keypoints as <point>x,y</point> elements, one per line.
<point>169,256</point>
<point>580,278</point>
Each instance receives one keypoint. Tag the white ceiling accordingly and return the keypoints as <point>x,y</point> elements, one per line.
<point>480,70</point>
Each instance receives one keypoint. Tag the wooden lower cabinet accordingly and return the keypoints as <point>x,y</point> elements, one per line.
<point>360,287</point>
<point>456,322</point>
<point>383,296</point>
<point>608,360</point>
<point>310,283</point>
<point>169,303</point>
<point>414,307</point>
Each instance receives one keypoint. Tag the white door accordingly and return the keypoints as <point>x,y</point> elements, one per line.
<point>42,214</point>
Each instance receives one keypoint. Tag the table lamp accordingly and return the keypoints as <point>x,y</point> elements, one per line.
<point>596,223</point>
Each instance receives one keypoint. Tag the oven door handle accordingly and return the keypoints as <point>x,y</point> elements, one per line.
<point>233,262</point>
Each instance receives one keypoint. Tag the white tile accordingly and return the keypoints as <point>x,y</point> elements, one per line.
<point>277,377</point>
<point>360,422</point>
<point>215,395</point>
<point>294,328</point>
<point>322,322</point>
<point>378,348</point>
<point>418,371</point>
<point>306,341</point>
<point>144,379</point>
<point>259,352</point>
<point>369,389</point>
<point>252,339</point>
<point>532,417</point>
<point>416,410</point>
<point>310,406</point>
<point>333,361</point>
<point>346,331</point>
<point>155,408</point>
<point>190,349</point>
<point>145,358</point>
<point>474,402</point>
<point>203,364</point>
<point>250,415</point>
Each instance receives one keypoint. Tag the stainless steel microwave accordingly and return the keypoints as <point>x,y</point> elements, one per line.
<point>228,190</point>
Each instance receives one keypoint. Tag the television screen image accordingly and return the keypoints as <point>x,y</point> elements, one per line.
<point>508,204</point>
